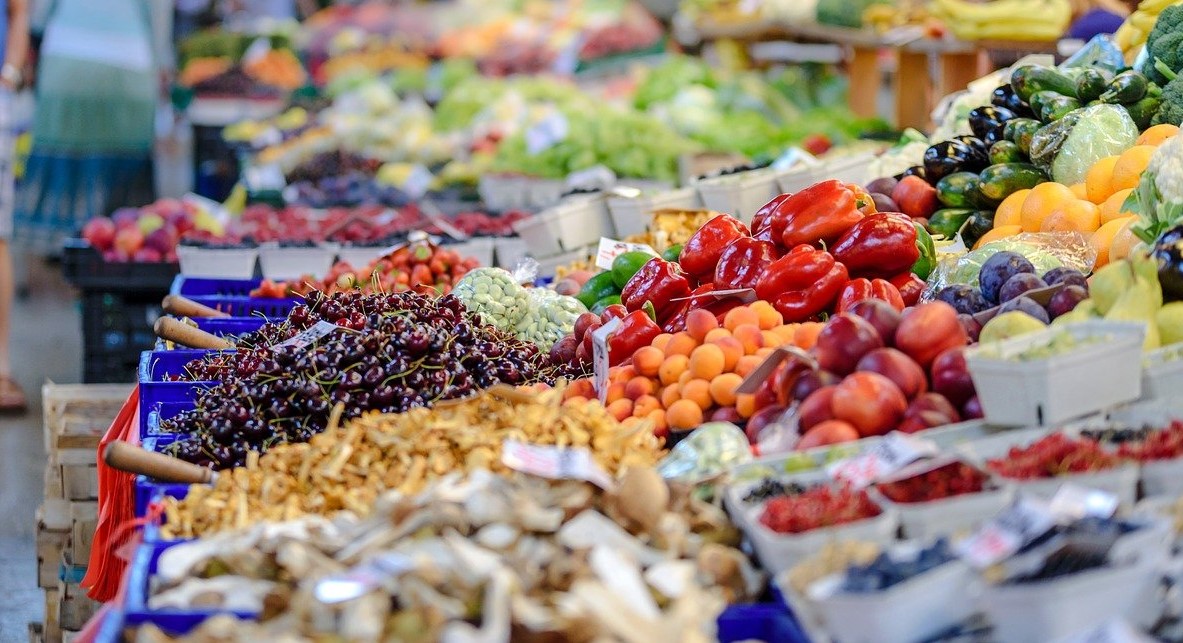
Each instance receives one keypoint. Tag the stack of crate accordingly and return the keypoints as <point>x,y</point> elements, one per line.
<point>76,416</point>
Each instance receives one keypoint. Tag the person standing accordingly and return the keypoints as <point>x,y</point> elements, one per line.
<point>101,71</point>
<point>14,32</point>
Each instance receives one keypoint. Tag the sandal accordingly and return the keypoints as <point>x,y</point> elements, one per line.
<point>12,397</point>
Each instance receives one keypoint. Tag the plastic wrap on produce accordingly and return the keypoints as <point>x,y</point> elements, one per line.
<point>1045,250</point>
<point>1099,53</point>
<point>713,448</point>
<point>1067,148</point>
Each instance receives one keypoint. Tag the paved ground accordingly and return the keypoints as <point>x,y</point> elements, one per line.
<point>46,344</point>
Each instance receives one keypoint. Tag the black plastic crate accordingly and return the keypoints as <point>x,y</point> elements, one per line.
<point>85,268</point>
<point>116,328</point>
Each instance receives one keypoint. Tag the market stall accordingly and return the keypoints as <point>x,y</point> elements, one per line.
<point>465,357</point>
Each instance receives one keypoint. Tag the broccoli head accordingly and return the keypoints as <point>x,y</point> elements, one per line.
<point>1171,109</point>
<point>1165,43</point>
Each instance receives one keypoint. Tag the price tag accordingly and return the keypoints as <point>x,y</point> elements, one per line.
<point>1073,502</point>
<point>600,356</point>
<point>264,177</point>
<point>1025,520</point>
<point>555,463</point>
<point>546,133</point>
<point>896,451</point>
<point>611,248</point>
<point>792,157</point>
<point>313,333</point>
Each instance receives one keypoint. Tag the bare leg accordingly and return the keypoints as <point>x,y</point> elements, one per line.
<point>6,289</point>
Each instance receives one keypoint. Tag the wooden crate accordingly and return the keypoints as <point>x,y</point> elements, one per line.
<point>80,481</point>
<point>51,545</point>
<point>36,633</point>
<point>76,607</point>
<point>53,481</point>
<point>77,415</point>
<point>83,521</point>
<point>51,629</point>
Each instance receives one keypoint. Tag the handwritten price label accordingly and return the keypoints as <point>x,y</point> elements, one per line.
<point>1018,525</point>
<point>312,334</point>
<point>555,463</point>
<point>600,356</point>
<point>893,453</point>
<point>610,249</point>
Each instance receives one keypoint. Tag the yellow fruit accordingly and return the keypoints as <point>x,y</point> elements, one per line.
<point>1130,166</point>
<point>1111,209</point>
<point>1009,212</point>
<point>1076,216</point>
<point>1098,179</point>
<point>999,232</point>
<point>1079,190</point>
<point>1041,201</point>
<point>1102,239</point>
<point>1157,135</point>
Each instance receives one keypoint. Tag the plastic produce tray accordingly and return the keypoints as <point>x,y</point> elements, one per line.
<point>85,268</point>
<point>146,489</point>
<point>202,287</point>
<point>760,622</point>
<point>176,622</point>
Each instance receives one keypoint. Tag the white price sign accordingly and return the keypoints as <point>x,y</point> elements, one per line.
<point>555,463</point>
<point>600,356</point>
<point>997,540</point>
<point>896,451</point>
<point>313,333</point>
<point>546,133</point>
<point>611,248</point>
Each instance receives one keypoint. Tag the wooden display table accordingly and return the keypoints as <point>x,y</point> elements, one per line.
<point>915,88</point>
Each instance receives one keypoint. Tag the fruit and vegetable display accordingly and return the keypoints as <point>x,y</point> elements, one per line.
<point>817,507</point>
<point>953,479</point>
<point>219,63</point>
<point>1055,455</point>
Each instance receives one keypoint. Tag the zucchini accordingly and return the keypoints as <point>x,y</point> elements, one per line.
<point>957,189</point>
<point>1143,111</point>
<point>1006,152</point>
<point>1056,108</point>
<point>978,224</point>
<point>1020,131</point>
<point>1034,78</point>
<point>1127,87</point>
<point>1090,84</point>
<point>948,221</point>
<point>1004,179</point>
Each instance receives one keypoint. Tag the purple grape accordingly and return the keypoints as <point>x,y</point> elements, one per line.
<point>1065,300</point>
<point>1066,276</point>
<point>1019,284</point>
<point>998,269</point>
<point>966,299</point>
<point>1026,305</point>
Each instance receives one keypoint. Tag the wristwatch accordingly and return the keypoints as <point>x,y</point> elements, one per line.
<point>11,73</point>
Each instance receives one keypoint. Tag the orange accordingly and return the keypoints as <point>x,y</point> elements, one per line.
<point>768,316</point>
<point>1098,179</point>
<point>740,316</point>
<point>1123,242</point>
<point>1102,239</point>
<point>732,352</point>
<point>806,335</point>
<point>684,414</point>
<point>1074,216</point>
<point>750,336</point>
<point>699,322</point>
<point>707,361</point>
<point>1130,167</point>
<point>1079,190</point>
<point>1157,135</point>
<point>672,368</point>
<point>723,388</point>
<point>1112,207</point>
<point>647,360</point>
<point>1041,201</point>
<point>699,392</point>
<point>1009,210</point>
<point>681,344</point>
<point>999,232</point>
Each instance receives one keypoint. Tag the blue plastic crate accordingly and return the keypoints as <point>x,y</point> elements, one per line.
<point>199,287</point>
<point>158,492</point>
<point>769,622</point>
<point>223,327</point>
<point>146,489</point>
<point>271,309</point>
<point>136,612</point>
<point>155,391</point>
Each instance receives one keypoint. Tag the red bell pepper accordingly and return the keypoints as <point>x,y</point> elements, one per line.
<point>762,220</point>
<point>742,263</point>
<point>794,271</point>
<point>701,252</point>
<point>820,212</point>
<point>677,320</point>
<point>881,244</point>
<point>910,286</point>
<point>859,289</point>
<point>704,299</point>
<point>659,282</point>
<point>862,199</point>
<point>807,303</point>
<point>636,329</point>
<point>615,311</point>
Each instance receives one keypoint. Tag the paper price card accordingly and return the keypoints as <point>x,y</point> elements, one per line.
<point>546,133</point>
<point>896,451</point>
<point>600,356</point>
<point>555,463</point>
<point>313,333</point>
<point>610,249</point>
<point>1073,502</point>
<point>1025,520</point>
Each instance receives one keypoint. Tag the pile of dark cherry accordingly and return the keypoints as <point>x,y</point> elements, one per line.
<point>394,352</point>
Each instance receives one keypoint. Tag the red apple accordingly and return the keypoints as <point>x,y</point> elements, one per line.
<point>826,433</point>
<point>870,402</point>
<point>129,240</point>
<point>843,342</point>
<point>99,233</point>
<point>147,255</point>
<point>951,378</point>
<point>928,330</point>
<point>162,239</point>
<point>882,316</point>
<point>761,419</point>
<point>816,408</point>
<point>898,368</point>
<point>926,411</point>
<point>582,323</point>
